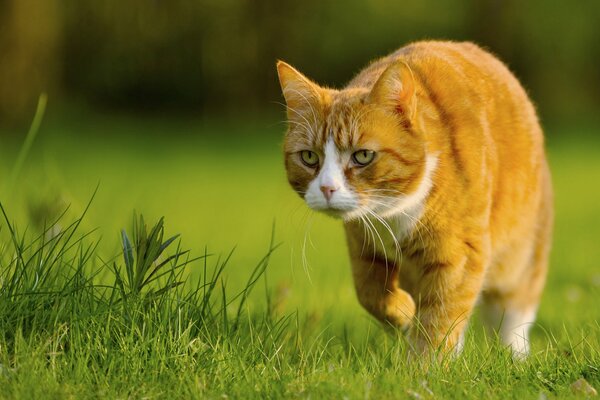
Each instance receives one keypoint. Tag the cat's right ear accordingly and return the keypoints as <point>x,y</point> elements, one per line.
<point>395,90</point>
<point>301,95</point>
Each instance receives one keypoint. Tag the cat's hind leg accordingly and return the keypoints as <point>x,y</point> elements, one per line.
<point>510,308</point>
<point>512,323</point>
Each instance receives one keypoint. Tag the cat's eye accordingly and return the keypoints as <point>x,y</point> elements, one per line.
<point>363,157</point>
<point>310,158</point>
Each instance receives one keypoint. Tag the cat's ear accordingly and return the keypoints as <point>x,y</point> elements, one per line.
<point>395,89</point>
<point>301,95</point>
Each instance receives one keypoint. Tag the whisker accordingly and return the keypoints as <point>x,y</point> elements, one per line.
<point>384,251</point>
<point>413,219</point>
<point>305,130</point>
<point>305,263</point>
<point>362,250</point>
<point>371,237</point>
<point>306,126</point>
<point>416,221</point>
<point>312,109</point>
<point>397,247</point>
<point>380,239</point>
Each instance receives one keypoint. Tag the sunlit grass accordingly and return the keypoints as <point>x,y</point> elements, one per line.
<point>145,332</point>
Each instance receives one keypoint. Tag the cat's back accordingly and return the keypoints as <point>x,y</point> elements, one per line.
<point>485,125</point>
<point>454,74</point>
<point>477,97</point>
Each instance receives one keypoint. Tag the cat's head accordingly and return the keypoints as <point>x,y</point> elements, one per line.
<point>355,152</point>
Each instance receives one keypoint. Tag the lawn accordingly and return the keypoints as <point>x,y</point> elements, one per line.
<point>77,332</point>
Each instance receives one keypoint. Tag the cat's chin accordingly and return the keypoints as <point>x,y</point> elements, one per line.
<point>334,213</point>
<point>345,215</point>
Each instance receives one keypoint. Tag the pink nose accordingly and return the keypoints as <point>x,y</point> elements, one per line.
<point>328,191</point>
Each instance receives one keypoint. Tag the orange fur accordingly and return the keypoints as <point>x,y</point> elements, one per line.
<point>480,230</point>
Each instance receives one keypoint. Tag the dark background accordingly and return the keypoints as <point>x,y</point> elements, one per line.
<point>216,58</point>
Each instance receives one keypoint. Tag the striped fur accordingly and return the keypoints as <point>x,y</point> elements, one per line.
<point>455,207</point>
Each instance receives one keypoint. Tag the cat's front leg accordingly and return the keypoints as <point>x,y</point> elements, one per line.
<point>377,287</point>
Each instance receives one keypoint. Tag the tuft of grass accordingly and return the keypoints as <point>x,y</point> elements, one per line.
<point>54,305</point>
<point>143,263</point>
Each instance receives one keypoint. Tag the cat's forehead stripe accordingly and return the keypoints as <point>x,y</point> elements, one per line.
<point>340,124</point>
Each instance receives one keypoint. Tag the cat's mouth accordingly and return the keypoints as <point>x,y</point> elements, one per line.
<point>338,207</point>
<point>351,210</point>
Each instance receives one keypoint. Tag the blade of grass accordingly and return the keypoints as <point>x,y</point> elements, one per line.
<point>31,135</point>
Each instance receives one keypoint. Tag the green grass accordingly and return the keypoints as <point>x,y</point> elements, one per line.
<point>78,317</point>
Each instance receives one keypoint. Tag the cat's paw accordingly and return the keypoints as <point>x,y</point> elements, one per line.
<point>429,343</point>
<point>398,309</point>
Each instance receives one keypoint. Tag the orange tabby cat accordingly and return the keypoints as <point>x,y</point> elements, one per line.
<point>434,159</point>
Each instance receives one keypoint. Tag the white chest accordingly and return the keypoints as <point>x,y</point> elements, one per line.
<point>383,236</point>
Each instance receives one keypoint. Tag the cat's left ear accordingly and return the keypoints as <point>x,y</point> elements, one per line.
<point>395,89</point>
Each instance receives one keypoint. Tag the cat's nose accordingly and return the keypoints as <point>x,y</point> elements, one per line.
<point>328,191</point>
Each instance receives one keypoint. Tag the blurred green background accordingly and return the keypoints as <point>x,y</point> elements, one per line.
<point>172,107</point>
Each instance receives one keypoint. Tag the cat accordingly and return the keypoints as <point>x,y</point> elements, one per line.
<point>434,159</point>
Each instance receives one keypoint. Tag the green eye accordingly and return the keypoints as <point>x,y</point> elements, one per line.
<point>310,158</point>
<point>363,157</point>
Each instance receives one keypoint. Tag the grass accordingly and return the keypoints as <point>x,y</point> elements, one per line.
<point>82,315</point>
